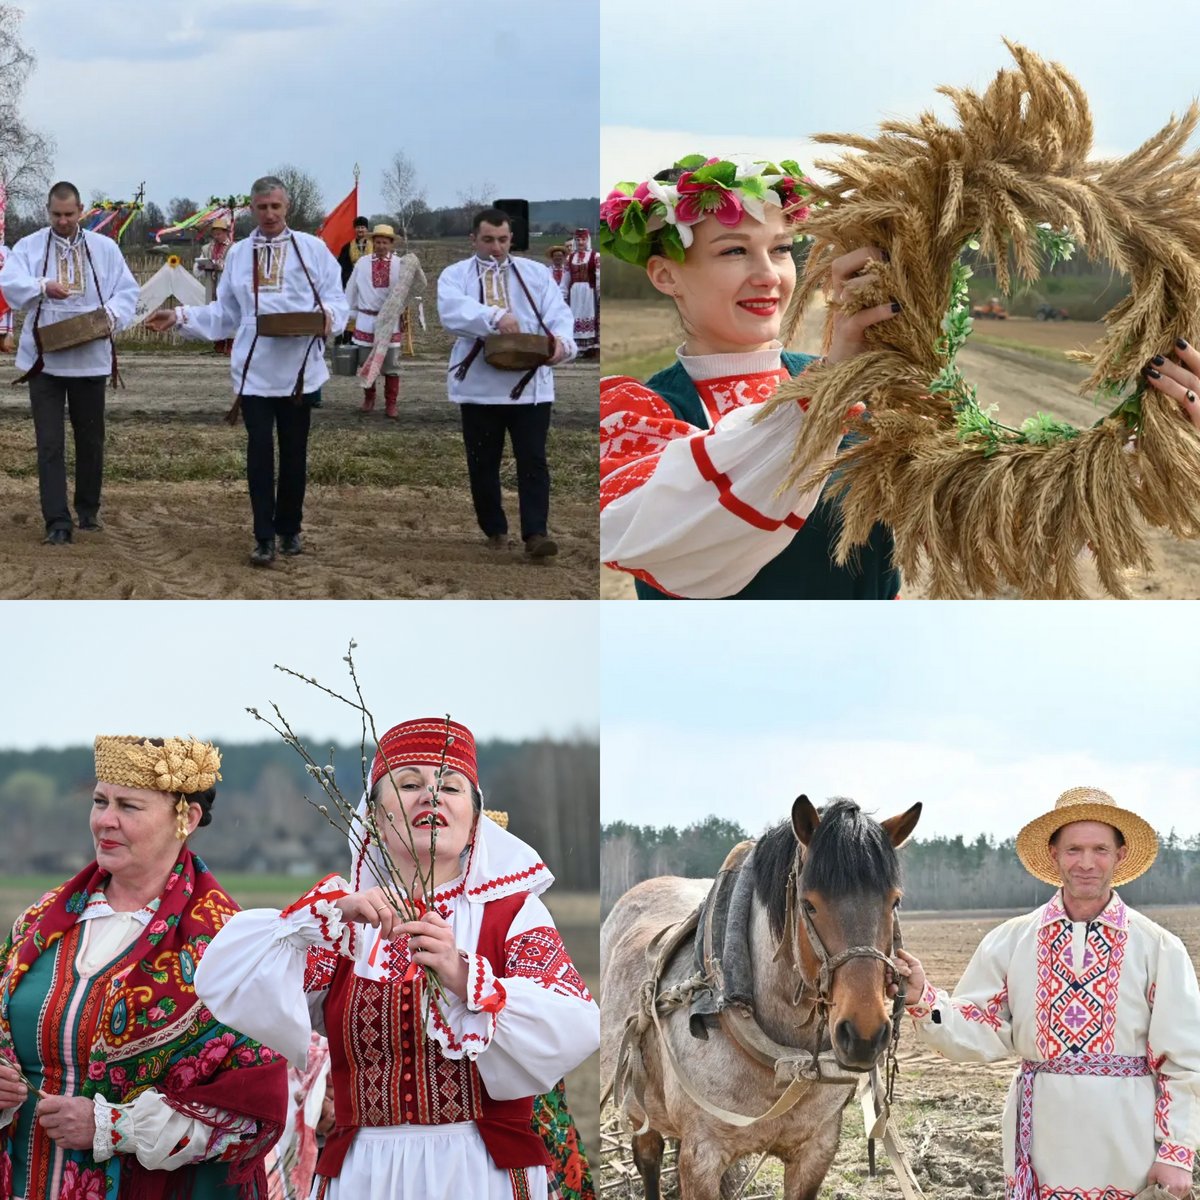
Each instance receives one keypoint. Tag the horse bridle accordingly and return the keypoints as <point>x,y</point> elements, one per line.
<point>822,990</point>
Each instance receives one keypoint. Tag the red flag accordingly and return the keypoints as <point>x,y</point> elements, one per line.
<point>338,228</point>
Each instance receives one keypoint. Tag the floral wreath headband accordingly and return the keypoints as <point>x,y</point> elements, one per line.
<point>640,220</point>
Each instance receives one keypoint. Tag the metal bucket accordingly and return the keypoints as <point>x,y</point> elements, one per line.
<point>345,360</point>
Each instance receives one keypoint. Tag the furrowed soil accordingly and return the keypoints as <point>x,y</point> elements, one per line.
<point>1018,364</point>
<point>948,1114</point>
<point>387,515</point>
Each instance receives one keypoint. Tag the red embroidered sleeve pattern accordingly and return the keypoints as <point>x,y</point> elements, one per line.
<point>319,969</point>
<point>540,954</point>
<point>1176,1155</point>
<point>989,1016</point>
<point>635,425</point>
<point>924,1006</point>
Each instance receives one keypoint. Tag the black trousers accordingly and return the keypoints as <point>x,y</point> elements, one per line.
<point>278,510</point>
<point>51,397</point>
<point>484,427</point>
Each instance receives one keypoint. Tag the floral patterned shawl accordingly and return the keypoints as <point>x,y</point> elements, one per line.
<point>149,1029</point>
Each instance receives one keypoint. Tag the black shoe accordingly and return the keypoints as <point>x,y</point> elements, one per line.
<point>538,545</point>
<point>89,525</point>
<point>58,537</point>
<point>263,554</point>
<point>291,543</point>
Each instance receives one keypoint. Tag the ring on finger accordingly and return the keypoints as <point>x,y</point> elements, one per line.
<point>1191,397</point>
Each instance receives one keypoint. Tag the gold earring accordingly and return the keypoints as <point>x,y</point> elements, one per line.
<point>181,817</point>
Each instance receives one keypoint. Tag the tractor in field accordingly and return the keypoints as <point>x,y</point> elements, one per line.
<point>1049,312</point>
<point>993,310</point>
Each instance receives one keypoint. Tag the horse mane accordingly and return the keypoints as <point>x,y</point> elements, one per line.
<point>850,854</point>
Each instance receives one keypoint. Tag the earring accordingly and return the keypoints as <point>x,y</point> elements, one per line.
<point>181,818</point>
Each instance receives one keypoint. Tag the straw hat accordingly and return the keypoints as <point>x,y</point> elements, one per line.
<point>218,223</point>
<point>1086,804</point>
<point>498,815</point>
<point>384,231</point>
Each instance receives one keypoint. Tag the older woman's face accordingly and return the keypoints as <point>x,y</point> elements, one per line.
<point>412,793</point>
<point>134,829</point>
<point>733,287</point>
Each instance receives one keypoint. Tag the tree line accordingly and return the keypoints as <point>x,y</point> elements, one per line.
<point>262,823</point>
<point>948,873</point>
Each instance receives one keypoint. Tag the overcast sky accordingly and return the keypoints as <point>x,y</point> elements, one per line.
<point>510,670</point>
<point>760,79</point>
<point>986,712</point>
<point>200,99</point>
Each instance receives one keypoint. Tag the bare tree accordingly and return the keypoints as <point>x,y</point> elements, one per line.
<point>307,208</point>
<point>180,208</point>
<point>401,190</point>
<point>25,153</point>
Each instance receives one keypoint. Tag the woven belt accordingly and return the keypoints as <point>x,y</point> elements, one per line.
<point>1108,1066</point>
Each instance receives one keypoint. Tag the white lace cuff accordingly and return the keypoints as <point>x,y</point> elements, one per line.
<point>103,1141</point>
<point>316,920</point>
<point>464,1028</point>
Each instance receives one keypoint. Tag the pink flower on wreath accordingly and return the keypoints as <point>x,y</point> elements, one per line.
<point>699,200</point>
<point>793,207</point>
<point>97,1070</point>
<point>79,1184</point>
<point>612,211</point>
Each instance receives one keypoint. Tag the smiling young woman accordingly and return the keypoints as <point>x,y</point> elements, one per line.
<point>692,495</point>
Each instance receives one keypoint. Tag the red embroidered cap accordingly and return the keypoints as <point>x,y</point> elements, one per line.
<point>421,742</point>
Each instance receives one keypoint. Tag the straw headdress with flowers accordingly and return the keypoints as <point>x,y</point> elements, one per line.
<point>640,220</point>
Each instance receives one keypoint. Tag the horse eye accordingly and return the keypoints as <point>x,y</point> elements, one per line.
<point>810,908</point>
<point>896,905</point>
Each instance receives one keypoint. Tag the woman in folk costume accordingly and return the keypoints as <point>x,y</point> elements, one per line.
<point>692,501</point>
<point>380,289</point>
<point>583,293</point>
<point>433,1095</point>
<point>127,1086</point>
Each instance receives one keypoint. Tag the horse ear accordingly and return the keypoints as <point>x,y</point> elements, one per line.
<point>899,828</point>
<point>805,820</point>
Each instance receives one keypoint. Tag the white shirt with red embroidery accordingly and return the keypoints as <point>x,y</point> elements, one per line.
<point>266,972</point>
<point>1041,986</point>
<point>372,279</point>
<point>698,512</point>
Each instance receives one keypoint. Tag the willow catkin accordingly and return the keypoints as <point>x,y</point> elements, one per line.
<point>1019,518</point>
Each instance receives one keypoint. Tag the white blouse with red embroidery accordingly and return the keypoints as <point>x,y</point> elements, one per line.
<point>1042,986</point>
<point>698,512</point>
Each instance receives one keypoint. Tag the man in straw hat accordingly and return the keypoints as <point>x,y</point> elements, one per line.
<point>1098,1002</point>
<point>380,288</point>
<point>210,262</point>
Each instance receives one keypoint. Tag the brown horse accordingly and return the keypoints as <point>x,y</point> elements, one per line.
<point>832,876</point>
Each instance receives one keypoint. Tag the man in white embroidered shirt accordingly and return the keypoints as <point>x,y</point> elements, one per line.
<point>491,292</point>
<point>1099,1003</point>
<point>279,296</point>
<point>66,277</point>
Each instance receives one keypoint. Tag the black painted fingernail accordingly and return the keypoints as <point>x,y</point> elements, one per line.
<point>1181,343</point>
<point>895,306</point>
<point>1158,360</point>
<point>1152,372</point>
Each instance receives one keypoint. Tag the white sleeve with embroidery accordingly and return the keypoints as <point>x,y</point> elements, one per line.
<point>460,313</point>
<point>712,513</point>
<point>975,1024</point>
<point>266,973</point>
<point>533,1024</point>
<point>121,301</point>
<point>161,1138</point>
<point>1174,1051</point>
<point>221,317</point>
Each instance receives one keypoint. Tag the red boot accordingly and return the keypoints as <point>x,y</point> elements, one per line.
<point>368,404</point>
<point>391,394</point>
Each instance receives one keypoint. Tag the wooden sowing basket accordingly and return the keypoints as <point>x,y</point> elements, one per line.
<point>518,351</point>
<point>87,327</point>
<point>291,324</point>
